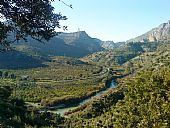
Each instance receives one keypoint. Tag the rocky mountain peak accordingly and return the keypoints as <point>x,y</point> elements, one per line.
<point>156,34</point>
<point>73,36</point>
<point>168,22</point>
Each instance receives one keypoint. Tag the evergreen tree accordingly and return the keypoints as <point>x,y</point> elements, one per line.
<point>1,74</point>
<point>5,112</point>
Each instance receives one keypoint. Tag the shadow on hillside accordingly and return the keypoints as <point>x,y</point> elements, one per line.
<point>18,60</point>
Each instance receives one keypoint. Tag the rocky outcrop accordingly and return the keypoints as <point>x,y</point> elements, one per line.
<point>156,34</point>
<point>81,39</point>
<point>108,45</point>
<point>75,44</point>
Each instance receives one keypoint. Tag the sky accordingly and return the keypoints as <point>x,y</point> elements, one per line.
<point>115,20</point>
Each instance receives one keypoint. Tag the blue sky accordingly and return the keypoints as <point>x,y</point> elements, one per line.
<point>117,20</point>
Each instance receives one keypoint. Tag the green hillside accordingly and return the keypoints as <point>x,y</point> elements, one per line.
<point>34,85</point>
<point>75,44</point>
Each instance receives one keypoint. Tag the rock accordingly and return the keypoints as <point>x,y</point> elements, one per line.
<point>156,34</point>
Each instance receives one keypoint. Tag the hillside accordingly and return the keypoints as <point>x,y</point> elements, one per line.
<point>155,59</point>
<point>156,34</point>
<point>120,54</point>
<point>75,44</point>
<point>109,45</point>
<point>145,101</point>
<point>19,60</point>
<point>140,70</point>
<point>81,40</point>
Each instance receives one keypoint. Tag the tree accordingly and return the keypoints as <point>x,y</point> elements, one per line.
<point>24,18</point>
<point>5,113</point>
<point>146,102</point>
<point>12,111</point>
<point>5,74</point>
<point>12,76</point>
<point>15,114</point>
<point>1,74</point>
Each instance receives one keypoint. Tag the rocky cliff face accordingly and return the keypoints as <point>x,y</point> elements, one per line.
<point>81,40</point>
<point>75,44</point>
<point>111,45</point>
<point>71,38</point>
<point>108,45</point>
<point>156,34</point>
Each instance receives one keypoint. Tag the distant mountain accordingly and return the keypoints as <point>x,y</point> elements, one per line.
<point>54,47</point>
<point>75,44</point>
<point>119,55</point>
<point>33,53</point>
<point>156,34</point>
<point>81,40</point>
<point>108,44</point>
<point>120,44</point>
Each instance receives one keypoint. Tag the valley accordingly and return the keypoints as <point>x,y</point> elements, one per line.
<point>85,82</point>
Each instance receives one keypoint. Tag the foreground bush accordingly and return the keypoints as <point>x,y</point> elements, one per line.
<point>146,102</point>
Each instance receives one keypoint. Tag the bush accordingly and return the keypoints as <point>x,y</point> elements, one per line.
<point>146,103</point>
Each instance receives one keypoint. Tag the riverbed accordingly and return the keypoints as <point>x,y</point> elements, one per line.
<point>62,108</point>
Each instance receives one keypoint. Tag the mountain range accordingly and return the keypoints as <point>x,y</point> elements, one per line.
<point>75,44</point>
<point>78,44</point>
<point>149,42</point>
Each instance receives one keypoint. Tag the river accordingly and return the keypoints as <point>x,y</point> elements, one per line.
<point>62,108</point>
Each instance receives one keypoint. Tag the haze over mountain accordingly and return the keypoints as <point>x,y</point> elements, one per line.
<point>75,44</point>
<point>78,44</point>
<point>81,39</point>
<point>148,42</point>
<point>70,44</point>
<point>156,34</point>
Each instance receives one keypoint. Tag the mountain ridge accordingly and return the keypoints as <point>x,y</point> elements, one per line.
<point>76,44</point>
<point>68,44</point>
<point>155,34</point>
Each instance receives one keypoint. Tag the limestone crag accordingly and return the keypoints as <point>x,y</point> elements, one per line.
<point>156,34</point>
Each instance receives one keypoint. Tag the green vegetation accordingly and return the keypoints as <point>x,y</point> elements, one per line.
<point>36,19</point>
<point>33,80</point>
<point>153,59</point>
<point>14,113</point>
<point>54,91</point>
<point>146,102</point>
<point>65,80</point>
<point>119,56</point>
<point>141,98</point>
